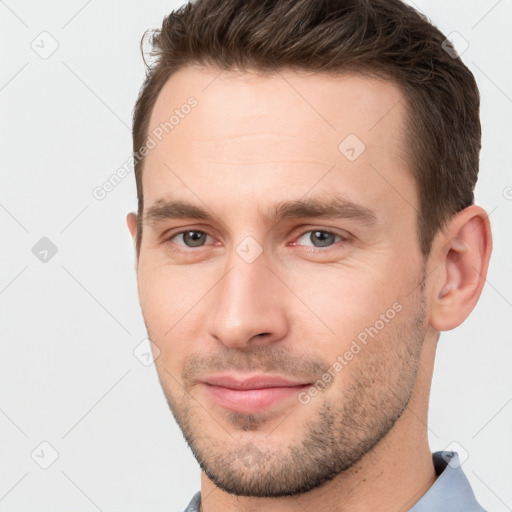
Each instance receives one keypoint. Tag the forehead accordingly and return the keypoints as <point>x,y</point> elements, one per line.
<point>240,103</point>
<point>288,128</point>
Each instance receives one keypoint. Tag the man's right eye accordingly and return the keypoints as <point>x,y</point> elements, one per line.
<point>190,238</point>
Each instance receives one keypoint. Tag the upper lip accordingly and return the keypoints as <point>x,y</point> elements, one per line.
<point>252,382</point>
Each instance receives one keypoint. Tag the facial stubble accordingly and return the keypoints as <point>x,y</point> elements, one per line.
<point>341,427</point>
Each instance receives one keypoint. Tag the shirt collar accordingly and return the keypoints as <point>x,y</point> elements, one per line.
<point>451,491</point>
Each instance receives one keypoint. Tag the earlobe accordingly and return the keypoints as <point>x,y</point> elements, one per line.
<point>464,249</point>
<point>131,221</point>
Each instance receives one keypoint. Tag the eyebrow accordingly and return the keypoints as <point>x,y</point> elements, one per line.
<point>334,208</point>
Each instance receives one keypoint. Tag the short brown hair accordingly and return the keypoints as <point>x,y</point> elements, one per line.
<point>383,37</point>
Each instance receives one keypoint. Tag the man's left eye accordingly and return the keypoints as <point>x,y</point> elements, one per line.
<point>319,238</point>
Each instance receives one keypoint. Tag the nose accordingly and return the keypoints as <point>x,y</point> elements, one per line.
<point>248,306</point>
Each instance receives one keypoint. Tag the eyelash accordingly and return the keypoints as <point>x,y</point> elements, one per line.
<point>310,248</point>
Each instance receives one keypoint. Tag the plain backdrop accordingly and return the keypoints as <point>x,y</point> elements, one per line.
<point>75,396</point>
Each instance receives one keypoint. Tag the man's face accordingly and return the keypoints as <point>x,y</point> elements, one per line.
<point>269,287</point>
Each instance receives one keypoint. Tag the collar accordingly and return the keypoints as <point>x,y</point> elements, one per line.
<point>451,491</point>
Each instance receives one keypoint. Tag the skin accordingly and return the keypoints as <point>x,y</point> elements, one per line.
<point>252,142</point>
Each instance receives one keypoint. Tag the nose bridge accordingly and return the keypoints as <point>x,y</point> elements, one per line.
<point>246,303</point>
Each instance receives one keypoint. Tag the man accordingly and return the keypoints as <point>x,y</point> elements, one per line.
<point>305,230</point>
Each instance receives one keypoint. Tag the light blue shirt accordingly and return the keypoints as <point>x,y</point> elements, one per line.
<point>451,491</point>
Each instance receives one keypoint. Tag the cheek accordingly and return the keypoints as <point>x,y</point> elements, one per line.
<point>166,295</point>
<point>346,299</point>
<point>358,307</point>
<point>168,304</point>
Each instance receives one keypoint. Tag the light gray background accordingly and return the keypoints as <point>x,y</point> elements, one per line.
<point>69,325</point>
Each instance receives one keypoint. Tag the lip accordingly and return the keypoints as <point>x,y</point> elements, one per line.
<point>251,382</point>
<point>251,394</point>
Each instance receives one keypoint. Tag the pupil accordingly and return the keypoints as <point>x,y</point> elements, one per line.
<point>323,238</point>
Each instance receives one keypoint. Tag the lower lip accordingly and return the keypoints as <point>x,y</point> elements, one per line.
<point>251,400</point>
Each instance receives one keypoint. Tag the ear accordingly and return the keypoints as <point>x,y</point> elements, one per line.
<point>131,221</point>
<point>460,255</point>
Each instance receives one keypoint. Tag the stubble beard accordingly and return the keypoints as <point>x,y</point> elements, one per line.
<point>339,430</point>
